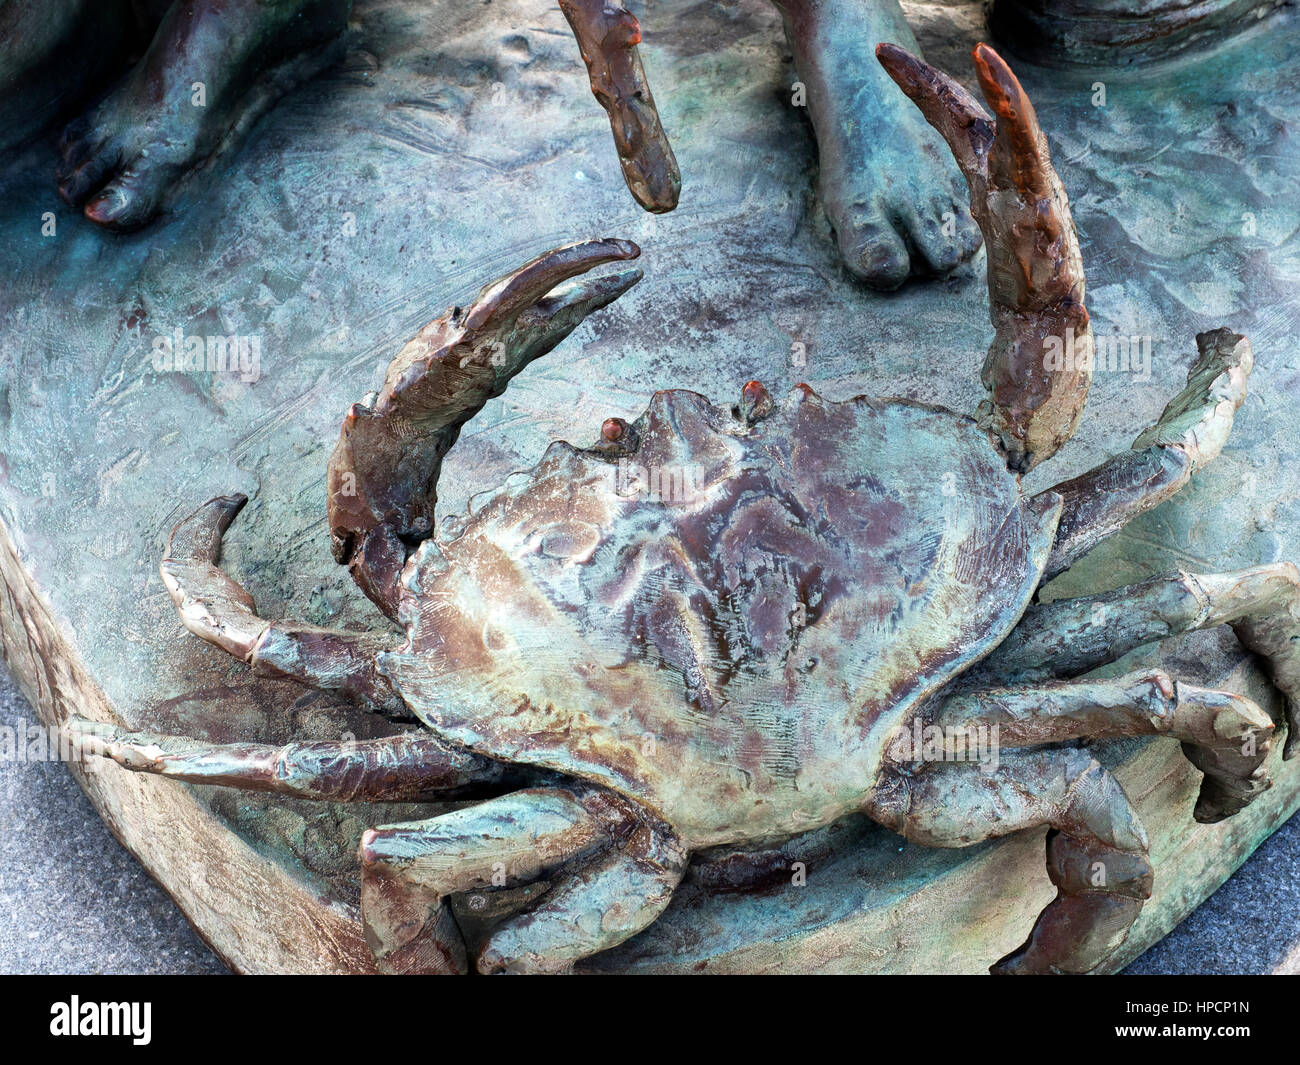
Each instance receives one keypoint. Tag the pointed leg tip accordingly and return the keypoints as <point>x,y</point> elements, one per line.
<point>220,509</point>
<point>1220,800</point>
<point>1012,964</point>
<point>198,535</point>
<point>216,513</point>
<point>92,736</point>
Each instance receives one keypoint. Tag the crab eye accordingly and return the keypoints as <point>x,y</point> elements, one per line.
<point>755,402</point>
<point>617,437</point>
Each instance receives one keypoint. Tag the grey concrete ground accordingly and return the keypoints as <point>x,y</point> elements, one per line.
<point>72,900</point>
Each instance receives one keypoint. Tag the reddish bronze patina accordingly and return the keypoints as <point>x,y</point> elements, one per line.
<point>607,36</point>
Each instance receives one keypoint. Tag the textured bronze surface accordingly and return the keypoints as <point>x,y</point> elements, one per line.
<point>722,627</point>
<point>421,136</point>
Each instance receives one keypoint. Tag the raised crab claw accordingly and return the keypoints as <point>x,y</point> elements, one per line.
<point>628,678</point>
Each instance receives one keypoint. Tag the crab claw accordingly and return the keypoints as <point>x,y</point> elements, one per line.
<point>382,477</point>
<point>607,36</point>
<point>1039,366</point>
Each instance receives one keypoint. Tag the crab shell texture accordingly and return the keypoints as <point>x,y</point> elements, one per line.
<point>733,653</point>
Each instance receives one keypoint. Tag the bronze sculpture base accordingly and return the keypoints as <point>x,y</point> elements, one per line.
<point>372,200</point>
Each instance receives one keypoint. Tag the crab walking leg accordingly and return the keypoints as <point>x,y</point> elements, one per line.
<point>607,36</point>
<point>1036,373</point>
<point>406,768</point>
<point>408,870</point>
<point>1072,636</point>
<point>1224,735</point>
<point>596,907</point>
<point>214,607</point>
<point>383,475</point>
<point>1189,434</point>
<point>1096,853</point>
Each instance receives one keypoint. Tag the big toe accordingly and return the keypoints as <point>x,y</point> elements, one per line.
<point>129,202</point>
<point>872,248</point>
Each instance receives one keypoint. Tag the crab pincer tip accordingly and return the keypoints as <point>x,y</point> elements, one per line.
<point>627,249</point>
<point>1001,86</point>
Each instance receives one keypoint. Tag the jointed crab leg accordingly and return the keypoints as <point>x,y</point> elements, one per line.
<point>1191,431</point>
<point>619,872</point>
<point>1072,636</point>
<point>607,36</point>
<point>1224,735</point>
<point>628,886</point>
<point>410,767</point>
<point>1034,373</point>
<point>383,475</point>
<point>214,607</point>
<point>1096,855</point>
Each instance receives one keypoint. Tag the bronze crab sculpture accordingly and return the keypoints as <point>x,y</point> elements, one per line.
<point>632,679</point>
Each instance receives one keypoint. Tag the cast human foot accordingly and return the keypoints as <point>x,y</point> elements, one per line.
<point>212,67</point>
<point>888,186</point>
